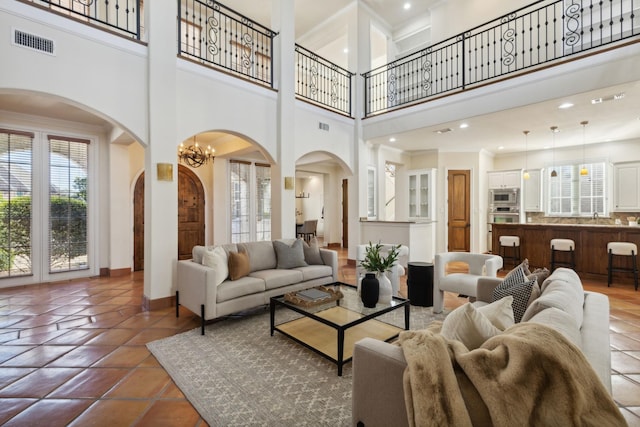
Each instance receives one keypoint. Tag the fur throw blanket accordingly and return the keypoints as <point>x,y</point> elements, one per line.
<point>530,375</point>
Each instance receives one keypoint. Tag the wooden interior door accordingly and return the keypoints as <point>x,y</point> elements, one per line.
<point>459,195</point>
<point>138,224</point>
<point>190,216</point>
<point>345,213</point>
<point>190,212</point>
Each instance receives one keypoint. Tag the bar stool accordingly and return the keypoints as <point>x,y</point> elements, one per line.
<point>563,245</point>
<point>622,249</point>
<point>512,242</point>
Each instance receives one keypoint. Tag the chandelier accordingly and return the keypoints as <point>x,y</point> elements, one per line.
<point>194,155</point>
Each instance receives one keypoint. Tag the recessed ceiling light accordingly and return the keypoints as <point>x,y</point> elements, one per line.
<point>392,139</point>
<point>596,101</point>
<point>407,6</point>
<point>501,147</point>
<point>546,147</point>
<point>346,50</point>
<point>565,105</point>
<point>464,125</point>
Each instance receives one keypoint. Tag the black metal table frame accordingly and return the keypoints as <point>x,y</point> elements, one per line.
<point>274,301</point>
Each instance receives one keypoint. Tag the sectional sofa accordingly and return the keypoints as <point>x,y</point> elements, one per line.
<point>580,316</point>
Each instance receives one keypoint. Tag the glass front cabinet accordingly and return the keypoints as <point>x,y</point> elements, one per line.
<point>422,194</point>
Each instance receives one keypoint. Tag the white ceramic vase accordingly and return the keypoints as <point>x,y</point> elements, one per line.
<point>386,291</point>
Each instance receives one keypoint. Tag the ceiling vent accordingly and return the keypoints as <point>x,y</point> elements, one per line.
<point>33,42</point>
<point>441,131</point>
<point>323,126</point>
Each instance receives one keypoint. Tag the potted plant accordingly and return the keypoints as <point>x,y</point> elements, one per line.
<point>376,262</point>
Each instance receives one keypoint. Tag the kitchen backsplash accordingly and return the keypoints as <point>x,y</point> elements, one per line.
<point>540,217</point>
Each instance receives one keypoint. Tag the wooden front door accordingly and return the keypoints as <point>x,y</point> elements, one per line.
<point>138,224</point>
<point>190,216</point>
<point>190,212</point>
<point>459,195</point>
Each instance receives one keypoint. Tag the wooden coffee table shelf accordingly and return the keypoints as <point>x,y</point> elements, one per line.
<point>332,329</point>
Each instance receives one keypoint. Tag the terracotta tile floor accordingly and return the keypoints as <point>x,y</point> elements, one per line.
<point>73,353</point>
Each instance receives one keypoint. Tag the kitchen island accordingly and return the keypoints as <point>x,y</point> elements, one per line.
<point>590,239</point>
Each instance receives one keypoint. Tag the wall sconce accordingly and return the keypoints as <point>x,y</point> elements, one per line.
<point>165,171</point>
<point>289,183</point>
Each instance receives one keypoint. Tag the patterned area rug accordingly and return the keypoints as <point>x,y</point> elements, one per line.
<point>239,375</point>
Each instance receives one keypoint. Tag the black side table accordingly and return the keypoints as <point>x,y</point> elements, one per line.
<point>420,283</point>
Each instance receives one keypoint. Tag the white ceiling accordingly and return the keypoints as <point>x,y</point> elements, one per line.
<point>612,120</point>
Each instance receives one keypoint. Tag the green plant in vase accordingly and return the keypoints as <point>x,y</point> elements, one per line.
<point>379,260</point>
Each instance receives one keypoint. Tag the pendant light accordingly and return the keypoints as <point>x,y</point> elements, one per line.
<point>583,170</point>
<point>554,129</point>
<point>526,154</point>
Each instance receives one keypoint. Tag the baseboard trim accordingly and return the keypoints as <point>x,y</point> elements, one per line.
<point>158,304</point>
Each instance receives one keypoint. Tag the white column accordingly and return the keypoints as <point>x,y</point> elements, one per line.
<point>283,208</point>
<point>360,42</point>
<point>161,197</point>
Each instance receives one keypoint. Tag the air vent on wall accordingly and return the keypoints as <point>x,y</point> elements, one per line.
<point>33,42</point>
<point>323,126</point>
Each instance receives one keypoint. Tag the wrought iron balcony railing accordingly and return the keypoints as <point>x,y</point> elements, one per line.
<point>213,34</point>
<point>322,82</point>
<point>121,16</point>
<point>526,38</point>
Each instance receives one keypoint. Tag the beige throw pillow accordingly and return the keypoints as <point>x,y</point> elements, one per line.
<point>499,313</point>
<point>469,326</point>
<point>217,259</point>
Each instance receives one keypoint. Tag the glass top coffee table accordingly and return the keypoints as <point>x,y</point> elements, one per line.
<point>332,328</point>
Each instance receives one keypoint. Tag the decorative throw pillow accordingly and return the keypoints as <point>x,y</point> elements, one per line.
<point>535,293</point>
<point>238,265</point>
<point>312,252</point>
<point>499,313</point>
<point>217,259</point>
<point>517,275</point>
<point>469,326</point>
<point>540,274</point>
<point>289,256</point>
<point>521,293</point>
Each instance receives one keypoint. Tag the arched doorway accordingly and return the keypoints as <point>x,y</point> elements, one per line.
<point>191,221</point>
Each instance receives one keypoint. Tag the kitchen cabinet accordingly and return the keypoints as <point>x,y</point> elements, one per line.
<point>532,189</point>
<point>505,179</point>
<point>626,186</point>
<point>422,194</point>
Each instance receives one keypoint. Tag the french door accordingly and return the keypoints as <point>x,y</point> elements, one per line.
<point>45,208</point>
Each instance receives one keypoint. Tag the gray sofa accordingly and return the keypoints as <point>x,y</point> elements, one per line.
<point>198,289</point>
<point>378,367</point>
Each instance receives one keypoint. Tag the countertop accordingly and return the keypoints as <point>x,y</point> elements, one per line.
<point>551,224</point>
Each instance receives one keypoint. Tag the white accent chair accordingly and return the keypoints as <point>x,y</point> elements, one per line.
<point>480,265</point>
<point>397,269</point>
